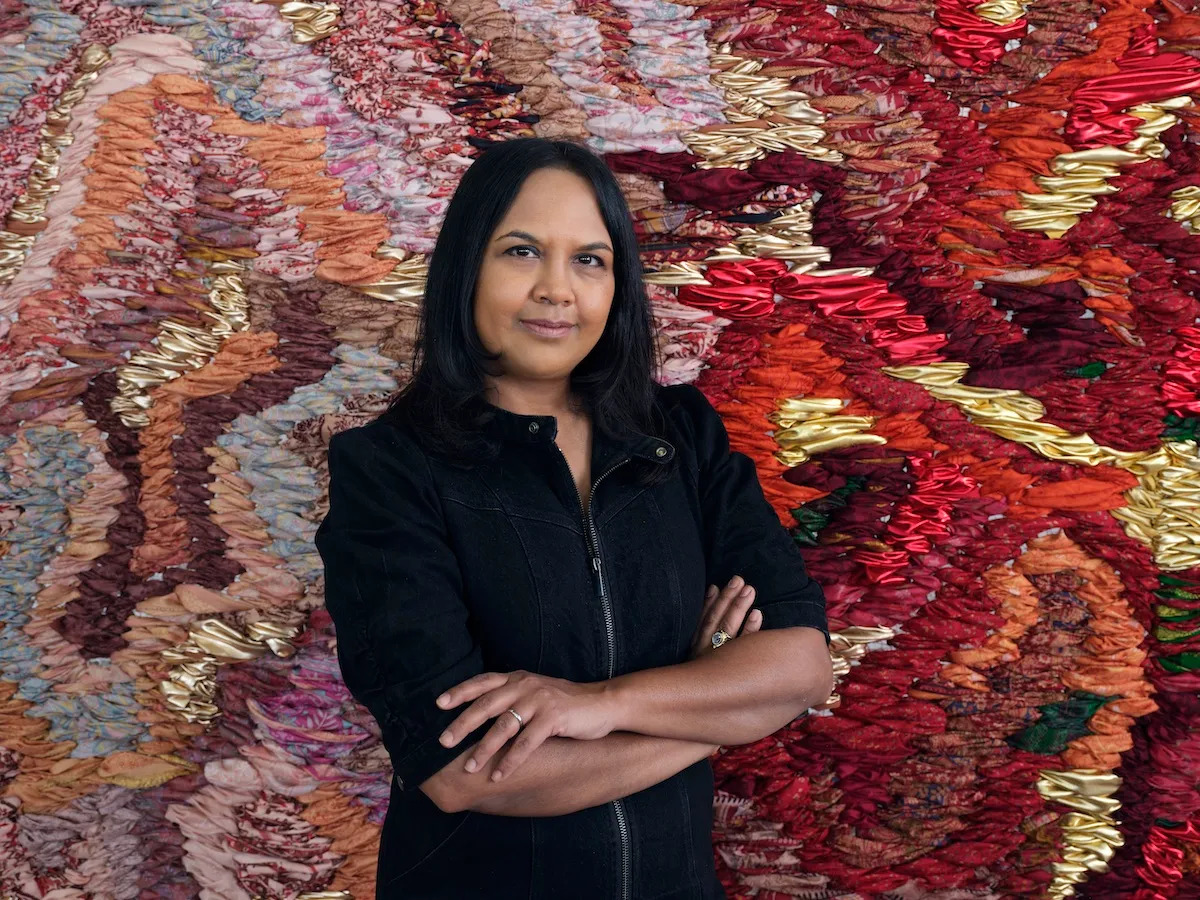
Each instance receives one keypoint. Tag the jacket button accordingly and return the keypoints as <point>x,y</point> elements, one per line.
<point>660,452</point>
<point>533,427</point>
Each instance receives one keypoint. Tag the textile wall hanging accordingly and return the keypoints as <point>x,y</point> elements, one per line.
<point>935,262</point>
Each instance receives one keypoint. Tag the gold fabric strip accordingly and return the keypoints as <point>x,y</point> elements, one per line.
<point>1090,835</point>
<point>811,425</point>
<point>1082,176</point>
<point>28,215</point>
<point>1161,508</point>
<point>311,21</point>
<point>846,648</point>
<point>180,346</point>
<point>1185,207</point>
<point>765,116</point>
<point>1000,12</point>
<point>404,284</point>
<point>191,685</point>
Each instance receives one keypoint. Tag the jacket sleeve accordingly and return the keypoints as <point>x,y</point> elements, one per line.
<point>394,591</point>
<point>742,533</point>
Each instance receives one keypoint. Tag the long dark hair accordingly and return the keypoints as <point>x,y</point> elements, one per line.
<point>444,397</point>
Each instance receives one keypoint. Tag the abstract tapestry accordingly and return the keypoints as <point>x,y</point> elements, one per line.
<point>934,261</point>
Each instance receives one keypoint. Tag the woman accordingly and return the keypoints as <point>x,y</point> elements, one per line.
<point>516,559</point>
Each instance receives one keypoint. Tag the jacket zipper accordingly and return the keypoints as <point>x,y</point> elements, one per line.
<point>610,630</point>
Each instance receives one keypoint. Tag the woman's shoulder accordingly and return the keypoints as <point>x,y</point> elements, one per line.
<point>684,405</point>
<point>387,438</point>
<point>679,396</point>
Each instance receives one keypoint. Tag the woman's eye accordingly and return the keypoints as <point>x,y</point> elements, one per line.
<point>523,250</point>
<point>590,259</point>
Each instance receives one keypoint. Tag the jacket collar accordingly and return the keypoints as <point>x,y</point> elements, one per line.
<point>522,429</point>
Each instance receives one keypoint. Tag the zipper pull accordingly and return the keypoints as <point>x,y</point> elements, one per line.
<point>599,577</point>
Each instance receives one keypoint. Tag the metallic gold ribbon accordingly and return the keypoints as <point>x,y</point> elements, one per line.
<point>1161,509</point>
<point>180,346</point>
<point>311,21</point>
<point>1001,12</point>
<point>28,215</point>
<point>1090,835</point>
<point>404,284</point>
<point>765,116</point>
<point>676,274</point>
<point>1082,176</point>
<point>191,684</point>
<point>811,425</point>
<point>846,648</point>
<point>1185,207</point>
<point>849,645</point>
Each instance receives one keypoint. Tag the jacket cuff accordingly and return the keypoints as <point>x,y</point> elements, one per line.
<point>429,756</point>
<point>790,613</point>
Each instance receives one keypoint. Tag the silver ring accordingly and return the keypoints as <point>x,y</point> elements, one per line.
<point>520,721</point>
<point>720,637</point>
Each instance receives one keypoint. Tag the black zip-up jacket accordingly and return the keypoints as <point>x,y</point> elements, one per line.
<point>437,571</point>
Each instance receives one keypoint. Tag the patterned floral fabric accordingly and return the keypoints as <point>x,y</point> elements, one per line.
<point>933,260</point>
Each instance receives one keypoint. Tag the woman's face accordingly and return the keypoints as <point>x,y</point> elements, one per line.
<point>546,283</point>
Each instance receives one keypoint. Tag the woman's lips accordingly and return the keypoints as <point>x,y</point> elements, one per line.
<point>547,330</point>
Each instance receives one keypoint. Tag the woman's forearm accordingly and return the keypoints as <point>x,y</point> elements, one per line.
<point>749,688</point>
<point>565,775</point>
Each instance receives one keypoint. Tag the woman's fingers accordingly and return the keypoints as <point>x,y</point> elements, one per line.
<point>717,610</point>
<point>497,736</point>
<point>473,687</point>
<point>735,613</point>
<point>532,736</point>
<point>753,622</point>
<point>729,611</point>
<point>489,706</point>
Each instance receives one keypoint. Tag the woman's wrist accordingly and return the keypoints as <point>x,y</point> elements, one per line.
<point>619,704</point>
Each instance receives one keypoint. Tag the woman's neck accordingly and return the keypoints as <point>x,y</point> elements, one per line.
<point>532,398</point>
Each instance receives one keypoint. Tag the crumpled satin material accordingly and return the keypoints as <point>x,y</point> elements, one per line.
<point>969,39</point>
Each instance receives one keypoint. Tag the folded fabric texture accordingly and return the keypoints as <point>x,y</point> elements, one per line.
<point>934,263</point>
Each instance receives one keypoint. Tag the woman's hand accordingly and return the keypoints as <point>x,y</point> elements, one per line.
<point>725,610</point>
<point>549,707</point>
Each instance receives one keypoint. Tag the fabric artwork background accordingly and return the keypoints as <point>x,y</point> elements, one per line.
<point>933,260</point>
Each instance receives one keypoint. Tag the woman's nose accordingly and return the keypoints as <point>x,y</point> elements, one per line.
<point>554,286</point>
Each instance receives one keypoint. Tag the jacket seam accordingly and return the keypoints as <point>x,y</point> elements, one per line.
<point>609,514</point>
<point>514,515</point>
<point>537,593</point>
<point>676,581</point>
<point>471,505</point>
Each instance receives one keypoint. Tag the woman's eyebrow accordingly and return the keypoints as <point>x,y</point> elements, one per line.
<point>526,236</point>
<point>523,235</point>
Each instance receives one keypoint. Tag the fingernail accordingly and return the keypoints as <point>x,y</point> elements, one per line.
<point>443,700</point>
<point>497,775</point>
<point>747,591</point>
<point>471,765</point>
<point>446,738</point>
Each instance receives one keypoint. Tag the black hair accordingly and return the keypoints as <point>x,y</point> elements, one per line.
<point>444,398</point>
